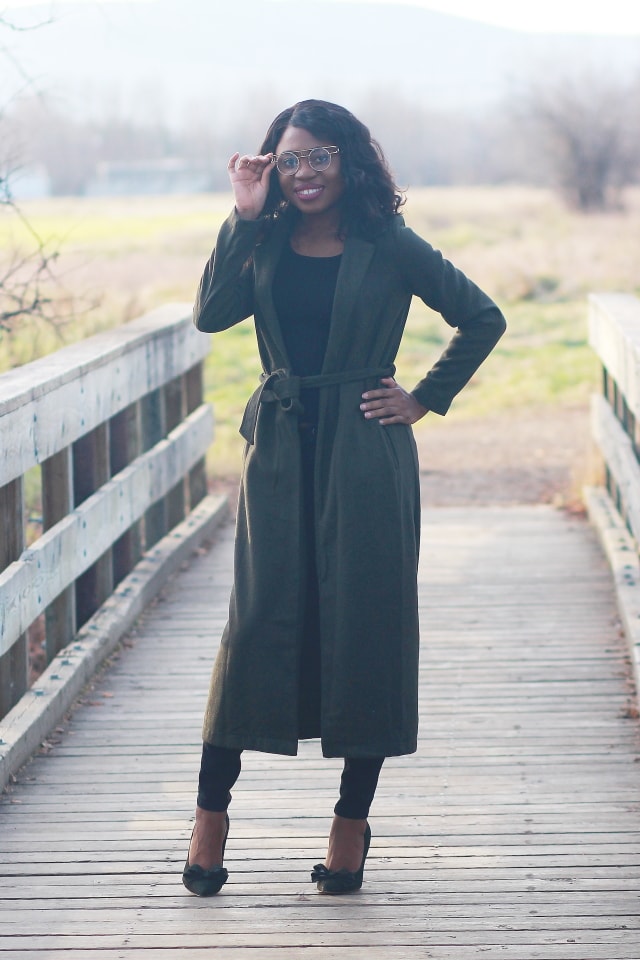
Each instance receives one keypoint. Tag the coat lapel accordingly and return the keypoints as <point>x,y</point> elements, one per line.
<point>266,257</point>
<point>353,268</point>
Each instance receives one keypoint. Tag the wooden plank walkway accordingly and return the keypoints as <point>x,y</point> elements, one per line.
<point>513,833</point>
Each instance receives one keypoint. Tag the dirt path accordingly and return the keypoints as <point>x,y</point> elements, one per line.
<point>525,456</point>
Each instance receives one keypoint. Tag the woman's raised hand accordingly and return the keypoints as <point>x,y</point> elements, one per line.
<point>250,182</point>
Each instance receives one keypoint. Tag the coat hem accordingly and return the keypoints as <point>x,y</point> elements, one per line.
<point>286,748</point>
<point>330,749</point>
<point>358,751</point>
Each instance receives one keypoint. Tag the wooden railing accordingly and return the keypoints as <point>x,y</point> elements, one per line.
<point>614,334</point>
<point>114,431</point>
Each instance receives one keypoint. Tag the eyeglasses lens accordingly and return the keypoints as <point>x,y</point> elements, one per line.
<point>319,159</point>
<point>289,163</point>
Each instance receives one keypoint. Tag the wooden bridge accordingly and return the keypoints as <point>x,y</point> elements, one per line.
<point>512,833</point>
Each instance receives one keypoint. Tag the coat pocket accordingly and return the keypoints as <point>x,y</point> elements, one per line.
<point>389,440</point>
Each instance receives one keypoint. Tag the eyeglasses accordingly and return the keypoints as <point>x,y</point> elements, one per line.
<point>319,159</point>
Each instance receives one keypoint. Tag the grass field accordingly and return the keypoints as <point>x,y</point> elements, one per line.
<point>120,258</point>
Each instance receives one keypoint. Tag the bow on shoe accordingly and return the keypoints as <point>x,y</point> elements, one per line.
<point>335,881</point>
<point>341,881</point>
<point>204,883</point>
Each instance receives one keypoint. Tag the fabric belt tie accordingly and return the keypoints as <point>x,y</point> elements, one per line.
<point>283,388</point>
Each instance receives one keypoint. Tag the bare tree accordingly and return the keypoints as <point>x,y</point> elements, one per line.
<point>582,132</point>
<point>23,275</point>
<point>30,289</point>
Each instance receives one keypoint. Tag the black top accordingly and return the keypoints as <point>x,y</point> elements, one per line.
<point>303,291</point>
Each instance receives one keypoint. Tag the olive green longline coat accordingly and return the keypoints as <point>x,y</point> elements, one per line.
<point>367,495</point>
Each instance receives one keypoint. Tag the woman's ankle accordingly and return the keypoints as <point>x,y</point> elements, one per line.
<point>208,838</point>
<point>346,843</point>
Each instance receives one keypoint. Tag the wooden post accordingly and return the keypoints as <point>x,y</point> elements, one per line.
<point>125,443</point>
<point>152,420</point>
<point>14,665</point>
<point>57,502</point>
<point>618,401</point>
<point>91,469</point>
<point>197,480</point>
<point>175,403</point>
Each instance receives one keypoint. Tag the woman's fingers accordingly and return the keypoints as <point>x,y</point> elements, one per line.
<point>249,177</point>
<point>248,163</point>
<point>391,404</point>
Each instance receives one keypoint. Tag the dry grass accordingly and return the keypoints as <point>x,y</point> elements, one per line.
<point>520,244</point>
<point>523,244</point>
<point>538,260</point>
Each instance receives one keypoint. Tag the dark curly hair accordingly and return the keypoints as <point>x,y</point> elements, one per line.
<point>371,197</point>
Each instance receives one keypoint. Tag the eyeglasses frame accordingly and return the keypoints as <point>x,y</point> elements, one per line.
<point>304,155</point>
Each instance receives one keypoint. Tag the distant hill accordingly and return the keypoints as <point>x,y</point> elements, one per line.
<point>171,55</point>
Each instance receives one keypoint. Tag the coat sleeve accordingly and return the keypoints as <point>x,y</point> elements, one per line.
<point>225,294</point>
<point>478,320</point>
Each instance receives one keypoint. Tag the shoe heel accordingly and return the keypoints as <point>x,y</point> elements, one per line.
<point>342,881</point>
<point>206,883</point>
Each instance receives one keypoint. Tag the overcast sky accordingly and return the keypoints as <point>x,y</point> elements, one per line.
<point>587,16</point>
<point>593,16</point>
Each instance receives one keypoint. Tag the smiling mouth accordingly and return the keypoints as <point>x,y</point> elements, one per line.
<point>309,193</point>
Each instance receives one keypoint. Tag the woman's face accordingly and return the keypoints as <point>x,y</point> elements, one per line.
<point>310,191</point>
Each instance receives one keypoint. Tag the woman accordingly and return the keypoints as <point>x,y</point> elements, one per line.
<point>322,639</point>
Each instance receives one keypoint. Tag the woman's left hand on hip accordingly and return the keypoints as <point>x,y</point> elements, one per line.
<point>391,404</point>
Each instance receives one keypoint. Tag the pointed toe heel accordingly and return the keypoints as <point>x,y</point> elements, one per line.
<point>205,883</point>
<point>341,881</point>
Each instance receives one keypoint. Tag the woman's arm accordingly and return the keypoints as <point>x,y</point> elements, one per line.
<point>478,320</point>
<point>225,294</point>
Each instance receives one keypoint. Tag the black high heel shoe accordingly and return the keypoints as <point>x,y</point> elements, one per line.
<point>205,883</point>
<point>341,881</point>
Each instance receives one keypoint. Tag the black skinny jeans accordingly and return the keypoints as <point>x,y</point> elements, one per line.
<point>220,768</point>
